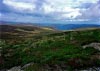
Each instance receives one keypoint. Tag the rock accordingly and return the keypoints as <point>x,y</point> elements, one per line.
<point>92,69</point>
<point>27,65</point>
<point>58,68</point>
<point>47,67</point>
<point>15,69</point>
<point>94,45</point>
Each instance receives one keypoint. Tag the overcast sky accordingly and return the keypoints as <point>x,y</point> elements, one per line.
<point>50,11</point>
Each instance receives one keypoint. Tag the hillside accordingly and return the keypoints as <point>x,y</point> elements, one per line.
<point>23,31</point>
<point>68,50</point>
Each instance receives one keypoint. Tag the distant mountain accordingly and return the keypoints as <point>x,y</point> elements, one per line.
<point>59,26</point>
<point>73,26</point>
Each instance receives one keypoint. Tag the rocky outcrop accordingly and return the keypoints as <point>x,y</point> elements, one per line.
<point>15,69</point>
<point>27,65</point>
<point>91,69</point>
<point>94,45</point>
<point>54,68</point>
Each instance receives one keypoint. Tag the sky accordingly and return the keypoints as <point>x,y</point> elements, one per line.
<point>50,11</point>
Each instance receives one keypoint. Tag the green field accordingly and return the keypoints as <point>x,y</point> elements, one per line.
<point>63,49</point>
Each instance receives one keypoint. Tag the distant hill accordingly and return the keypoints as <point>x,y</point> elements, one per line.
<point>57,26</point>
<point>15,30</point>
<point>74,26</point>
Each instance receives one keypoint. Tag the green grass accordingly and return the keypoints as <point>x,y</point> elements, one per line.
<point>65,47</point>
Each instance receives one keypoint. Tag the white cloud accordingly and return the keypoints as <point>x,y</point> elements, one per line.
<point>21,6</point>
<point>48,8</point>
<point>71,15</point>
<point>60,12</point>
<point>57,9</point>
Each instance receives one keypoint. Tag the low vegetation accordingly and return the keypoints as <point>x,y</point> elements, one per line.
<point>63,49</point>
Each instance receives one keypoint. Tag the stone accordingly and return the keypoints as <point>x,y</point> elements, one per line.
<point>94,45</point>
<point>15,69</point>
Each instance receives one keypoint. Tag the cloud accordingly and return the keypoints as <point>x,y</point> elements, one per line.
<point>51,10</point>
<point>20,18</point>
<point>26,18</point>
<point>71,15</point>
<point>93,12</point>
<point>70,9</point>
<point>0,15</point>
<point>60,10</point>
<point>20,6</point>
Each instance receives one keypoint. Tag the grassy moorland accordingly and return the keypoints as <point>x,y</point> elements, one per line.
<point>60,49</point>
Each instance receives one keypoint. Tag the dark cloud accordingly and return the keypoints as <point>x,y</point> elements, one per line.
<point>86,5</point>
<point>3,7</point>
<point>92,12</point>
